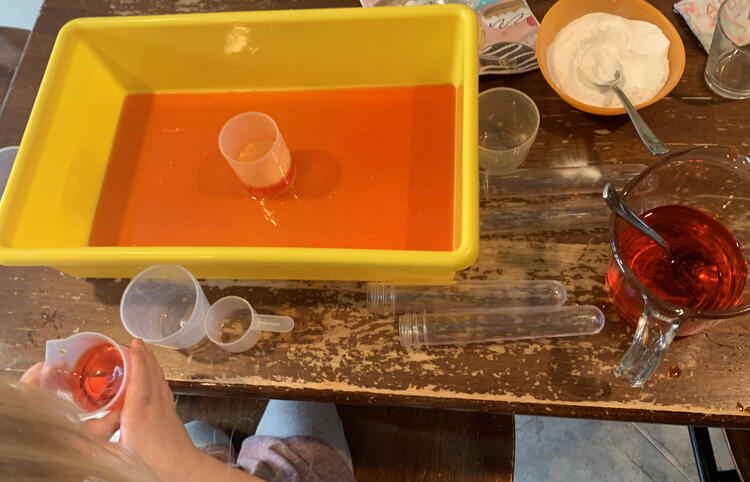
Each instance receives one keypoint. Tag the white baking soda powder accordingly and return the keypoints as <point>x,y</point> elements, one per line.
<point>592,48</point>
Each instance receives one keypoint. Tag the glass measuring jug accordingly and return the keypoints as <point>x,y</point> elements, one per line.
<point>699,201</point>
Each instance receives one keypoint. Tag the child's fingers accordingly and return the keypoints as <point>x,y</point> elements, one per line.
<point>33,375</point>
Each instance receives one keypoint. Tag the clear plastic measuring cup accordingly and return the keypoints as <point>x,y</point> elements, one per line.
<point>508,124</point>
<point>88,369</point>
<point>165,305</point>
<point>235,326</point>
<point>256,151</point>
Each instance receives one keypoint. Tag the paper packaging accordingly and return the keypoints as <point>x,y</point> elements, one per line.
<point>509,43</point>
<point>700,15</point>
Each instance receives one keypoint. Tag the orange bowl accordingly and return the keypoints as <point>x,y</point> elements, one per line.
<point>565,11</point>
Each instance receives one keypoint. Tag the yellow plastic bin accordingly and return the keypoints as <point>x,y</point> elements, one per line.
<point>48,207</point>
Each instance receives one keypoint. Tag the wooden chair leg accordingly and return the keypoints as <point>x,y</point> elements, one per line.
<point>739,446</point>
<point>705,459</point>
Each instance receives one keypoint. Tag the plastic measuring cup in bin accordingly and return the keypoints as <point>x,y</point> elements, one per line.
<point>235,326</point>
<point>490,325</point>
<point>89,369</point>
<point>256,151</point>
<point>165,305</point>
<point>387,298</point>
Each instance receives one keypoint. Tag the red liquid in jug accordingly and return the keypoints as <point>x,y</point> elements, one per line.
<point>708,271</point>
<point>97,376</point>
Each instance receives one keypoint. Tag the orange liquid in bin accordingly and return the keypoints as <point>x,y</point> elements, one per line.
<point>374,168</point>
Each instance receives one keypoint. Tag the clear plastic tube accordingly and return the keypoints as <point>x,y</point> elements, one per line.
<point>555,181</point>
<point>575,214</point>
<point>425,329</point>
<point>387,298</point>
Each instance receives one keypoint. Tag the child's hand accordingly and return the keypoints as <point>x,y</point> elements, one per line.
<point>99,428</point>
<point>149,425</point>
<point>33,376</point>
<point>148,422</point>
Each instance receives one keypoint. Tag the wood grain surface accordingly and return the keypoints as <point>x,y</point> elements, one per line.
<point>339,352</point>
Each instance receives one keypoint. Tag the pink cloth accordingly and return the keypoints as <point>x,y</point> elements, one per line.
<point>292,459</point>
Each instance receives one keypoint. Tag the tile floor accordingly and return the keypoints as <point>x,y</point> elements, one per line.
<point>557,449</point>
<point>19,13</point>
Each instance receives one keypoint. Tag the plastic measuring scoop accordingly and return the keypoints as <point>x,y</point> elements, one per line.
<point>387,298</point>
<point>235,326</point>
<point>89,369</point>
<point>481,326</point>
<point>555,181</point>
<point>165,305</point>
<point>256,151</point>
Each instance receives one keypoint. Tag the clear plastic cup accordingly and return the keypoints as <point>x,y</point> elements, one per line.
<point>255,150</point>
<point>387,298</point>
<point>235,326</point>
<point>165,305</point>
<point>508,124</point>
<point>88,369</point>
<point>728,66</point>
<point>482,326</point>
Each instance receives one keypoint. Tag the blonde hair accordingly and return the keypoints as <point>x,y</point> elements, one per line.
<point>42,439</point>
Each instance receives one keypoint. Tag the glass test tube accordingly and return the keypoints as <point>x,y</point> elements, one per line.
<point>555,181</point>
<point>425,329</point>
<point>387,298</point>
<point>575,214</point>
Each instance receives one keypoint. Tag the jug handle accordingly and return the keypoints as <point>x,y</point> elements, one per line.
<point>652,337</point>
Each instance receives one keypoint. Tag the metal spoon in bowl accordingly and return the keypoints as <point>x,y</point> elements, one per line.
<point>652,143</point>
<point>617,204</point>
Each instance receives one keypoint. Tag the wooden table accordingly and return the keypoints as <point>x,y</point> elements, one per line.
<point>338,352</point>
